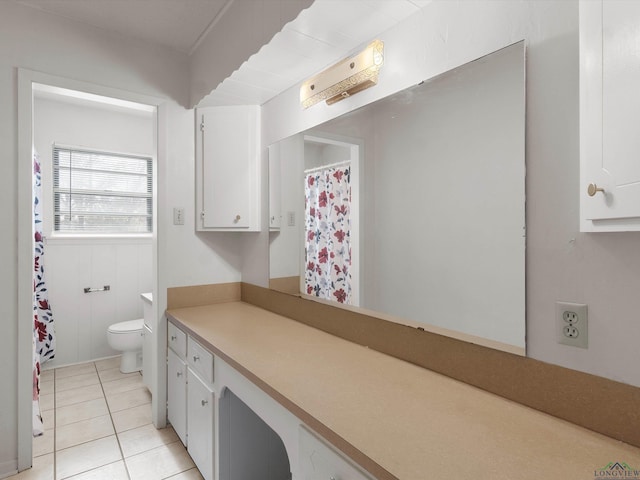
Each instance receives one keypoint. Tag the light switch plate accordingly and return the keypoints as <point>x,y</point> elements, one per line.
<point>291,219</point>
<point>178,216</point>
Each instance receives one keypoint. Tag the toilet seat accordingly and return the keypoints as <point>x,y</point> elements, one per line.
<point>127,326</point>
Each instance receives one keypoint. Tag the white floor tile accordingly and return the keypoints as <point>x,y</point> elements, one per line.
<point>130,399</point>
<point>74,370</point>
<point>131,418</point>
<point>78,395</point>
<point>84,431</point>
<point>76,381</point>
<point>83,428</point>
<point>46,402</point>
<point>46,386</point>
<point>112,471</point>
<point>42,444</point>
<point>159,463</point>
<point>86,456</point>
<point>145,438</point>
<point>81,411</point>
<point>107,363</point>
<point>114,374</point>
<point>193,474</point>
<point>122,385</point>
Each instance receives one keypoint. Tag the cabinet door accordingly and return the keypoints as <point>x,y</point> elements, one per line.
<point>177,395</point>
<point>609,112</point>
<point>200,408</point>
<point>229,164</point>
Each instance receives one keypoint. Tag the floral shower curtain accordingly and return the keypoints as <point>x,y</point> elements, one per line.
<point>328,233</point>
<point>43,333</point>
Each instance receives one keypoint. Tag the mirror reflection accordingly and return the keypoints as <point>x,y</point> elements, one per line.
<point>413,206</point>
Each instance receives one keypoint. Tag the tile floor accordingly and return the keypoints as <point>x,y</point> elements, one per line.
<point>98,426</point>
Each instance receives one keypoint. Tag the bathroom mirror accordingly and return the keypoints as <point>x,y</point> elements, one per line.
<point>413,206</point>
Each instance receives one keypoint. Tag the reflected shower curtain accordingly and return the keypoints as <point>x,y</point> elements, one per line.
<point>43,333</point>
<point>328,233</point>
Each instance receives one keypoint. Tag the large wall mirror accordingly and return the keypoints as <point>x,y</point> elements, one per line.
<point>414,205</point>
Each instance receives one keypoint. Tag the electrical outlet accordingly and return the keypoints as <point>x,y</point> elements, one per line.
<point>571,324</point>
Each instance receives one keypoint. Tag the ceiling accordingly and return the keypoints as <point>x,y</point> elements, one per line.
<point>178,24</point>
<point>321,35</point>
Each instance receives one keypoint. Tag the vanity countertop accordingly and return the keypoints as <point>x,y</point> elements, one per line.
<point>397,420</point>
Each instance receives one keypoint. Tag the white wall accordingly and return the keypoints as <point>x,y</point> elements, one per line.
<point>71,264</point>
<point>34,40</point>
<point>601,270</point>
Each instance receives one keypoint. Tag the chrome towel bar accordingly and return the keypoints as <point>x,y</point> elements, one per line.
<point>106,288</point>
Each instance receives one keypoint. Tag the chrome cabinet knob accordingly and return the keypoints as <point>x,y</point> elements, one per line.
<point>173,338</point>
<point>204,402</point>
<point>237,219</point>
<point>196,358</point>
<point>178,374</point>
<point>592,189</point>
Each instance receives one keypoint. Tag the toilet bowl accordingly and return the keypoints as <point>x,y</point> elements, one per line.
<point>126,337</point>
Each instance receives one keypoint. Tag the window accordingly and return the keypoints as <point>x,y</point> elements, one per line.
<point>101,193</point>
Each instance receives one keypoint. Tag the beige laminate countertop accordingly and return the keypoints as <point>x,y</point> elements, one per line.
<point>397,420</point>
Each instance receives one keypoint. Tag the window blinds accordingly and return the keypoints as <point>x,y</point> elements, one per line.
<point>101,193</point>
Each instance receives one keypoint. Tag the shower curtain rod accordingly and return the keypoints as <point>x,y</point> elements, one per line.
<point>323,167</point>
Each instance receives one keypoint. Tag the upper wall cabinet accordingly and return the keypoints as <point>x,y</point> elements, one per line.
<point>609,113</point>
<point>228,168</point>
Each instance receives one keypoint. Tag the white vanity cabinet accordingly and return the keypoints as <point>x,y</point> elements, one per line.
<point>609,109</point>
<point>190,397</point>
<point>228,168</point>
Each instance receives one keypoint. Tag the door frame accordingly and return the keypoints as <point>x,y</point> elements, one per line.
<point>26,79</point>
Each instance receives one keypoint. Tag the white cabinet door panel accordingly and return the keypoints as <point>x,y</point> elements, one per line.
<point>227,146</point>
<point>200,427</point>
<point>177,395</point>
<point>609,113</point>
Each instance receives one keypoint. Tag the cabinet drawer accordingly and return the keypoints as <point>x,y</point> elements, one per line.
<point>319,461</point>
<point>200,360</point>
<point>177,340</point>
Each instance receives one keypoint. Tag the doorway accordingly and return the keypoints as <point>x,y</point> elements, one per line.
<point>30,85</point>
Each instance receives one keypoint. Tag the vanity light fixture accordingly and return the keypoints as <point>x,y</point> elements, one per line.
<point>345,78</point>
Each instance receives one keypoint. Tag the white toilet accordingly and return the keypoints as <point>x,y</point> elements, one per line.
<point>127,338</point>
